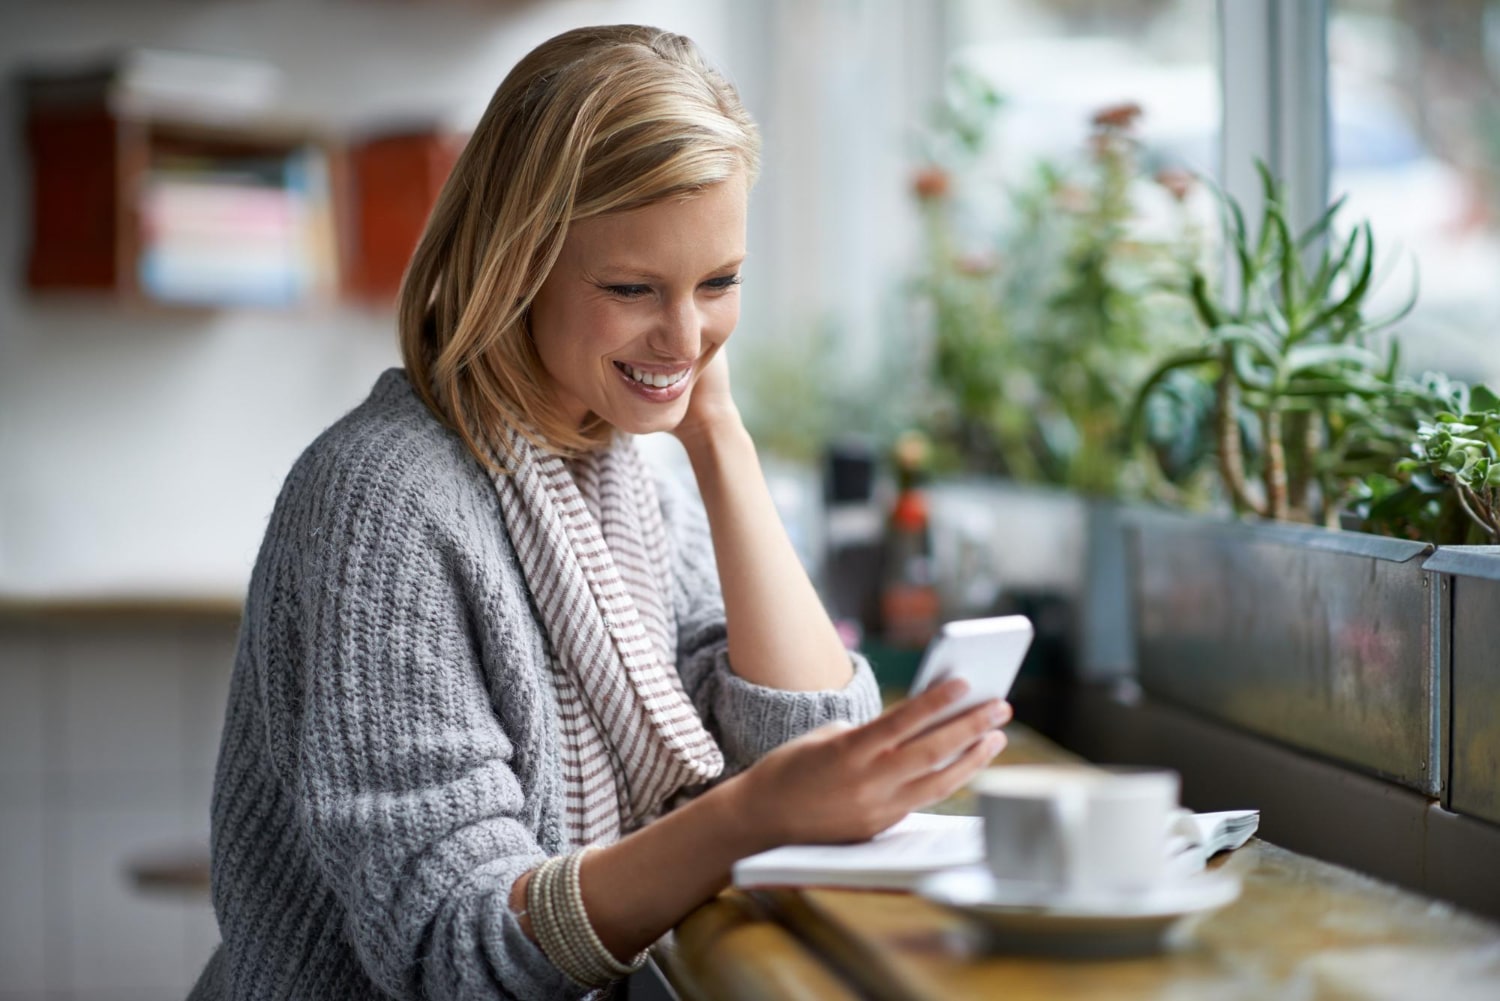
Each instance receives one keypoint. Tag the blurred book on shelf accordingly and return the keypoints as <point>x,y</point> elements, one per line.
<point>237,231</point>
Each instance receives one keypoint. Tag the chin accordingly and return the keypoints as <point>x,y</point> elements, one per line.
<point>664,420</point>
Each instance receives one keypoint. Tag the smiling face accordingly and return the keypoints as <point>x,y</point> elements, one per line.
<point>637,305</point>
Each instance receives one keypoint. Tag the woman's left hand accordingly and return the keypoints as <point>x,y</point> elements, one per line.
<point>710,405</point>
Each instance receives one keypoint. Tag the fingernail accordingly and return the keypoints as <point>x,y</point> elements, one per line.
<point>957,688</point>
<point>998,712</point>
<point>994,743</point>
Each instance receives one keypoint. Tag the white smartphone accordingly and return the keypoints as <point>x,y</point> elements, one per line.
<point>987,653</point>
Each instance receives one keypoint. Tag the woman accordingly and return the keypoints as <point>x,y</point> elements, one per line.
<point>497,722</point>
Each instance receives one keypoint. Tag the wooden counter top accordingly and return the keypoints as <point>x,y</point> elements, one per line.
<point>115,608</point>
<point>1301,928</point>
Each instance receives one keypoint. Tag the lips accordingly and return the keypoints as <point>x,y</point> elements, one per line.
<point>657,376</point>
<point>655,383</point>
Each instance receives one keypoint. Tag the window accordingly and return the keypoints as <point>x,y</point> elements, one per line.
<point>1414,92</point>
<point>1056,63</point>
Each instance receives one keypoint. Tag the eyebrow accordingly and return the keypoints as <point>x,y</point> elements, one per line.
<point>618,270</point>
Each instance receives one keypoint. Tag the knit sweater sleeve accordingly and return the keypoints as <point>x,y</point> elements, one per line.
<point>389,743</point>
<point>748,719</point>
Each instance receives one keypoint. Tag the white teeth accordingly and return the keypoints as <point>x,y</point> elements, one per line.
<point>656,381</point>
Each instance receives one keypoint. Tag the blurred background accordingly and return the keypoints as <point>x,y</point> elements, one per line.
<point>205,208</point>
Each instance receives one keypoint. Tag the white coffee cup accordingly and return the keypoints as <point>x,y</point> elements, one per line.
<point>1057,829</point>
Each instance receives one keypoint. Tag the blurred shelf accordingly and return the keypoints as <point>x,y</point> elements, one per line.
<point>206,212</point>
<point>183,871</point>
<point>98,608</point>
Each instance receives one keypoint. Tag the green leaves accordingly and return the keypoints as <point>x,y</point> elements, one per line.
<point>1454,453</point>
<point>1036,323</point>
<point>964,117</point>
<point>1293,343</point>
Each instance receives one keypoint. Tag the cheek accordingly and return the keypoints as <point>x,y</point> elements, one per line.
<point>574,339</point>
<point>552,327</point>
<point>721,318</point>
<point>609,327</point>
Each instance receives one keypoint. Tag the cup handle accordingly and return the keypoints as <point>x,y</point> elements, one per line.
<point>1069,809</point>
<point>1180,822</point>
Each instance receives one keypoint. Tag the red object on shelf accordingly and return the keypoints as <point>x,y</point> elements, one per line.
<point>910,511</point>
<point>909,605</point>
<point>394,181</point>
<point>75,210</point>
<point>909,609</point>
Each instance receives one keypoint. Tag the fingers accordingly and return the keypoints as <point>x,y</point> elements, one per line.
<point>923,753</point>
<point>908,717</point>
<point>939,785</point>
<point>830,729</point>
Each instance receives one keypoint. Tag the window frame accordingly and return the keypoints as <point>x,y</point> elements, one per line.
<point>1273,66</point>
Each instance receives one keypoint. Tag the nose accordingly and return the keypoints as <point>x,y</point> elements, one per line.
<point>680,329</point>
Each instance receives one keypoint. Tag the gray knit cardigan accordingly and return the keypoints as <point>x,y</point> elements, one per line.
<point>389,763</point>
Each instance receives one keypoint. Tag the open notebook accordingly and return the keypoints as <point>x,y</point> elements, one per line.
<point>923,843</point>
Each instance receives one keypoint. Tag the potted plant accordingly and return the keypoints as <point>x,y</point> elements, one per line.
<point>1322,639</point>
<point>1459,449</point>
<point>1041,326</point>
<point>1041,318</point>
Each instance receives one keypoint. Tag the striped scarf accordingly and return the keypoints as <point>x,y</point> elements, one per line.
<point>594,551</point>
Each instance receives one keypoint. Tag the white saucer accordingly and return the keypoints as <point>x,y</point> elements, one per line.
<point>1022,919</point>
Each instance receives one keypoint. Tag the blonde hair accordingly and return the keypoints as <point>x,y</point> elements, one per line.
<point>594,121</point>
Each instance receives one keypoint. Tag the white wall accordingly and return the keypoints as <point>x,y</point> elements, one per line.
<point>140,452</point>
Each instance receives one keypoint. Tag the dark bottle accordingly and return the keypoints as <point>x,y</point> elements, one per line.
<point>909,613</point>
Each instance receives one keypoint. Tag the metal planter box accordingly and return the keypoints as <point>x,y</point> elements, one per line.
<point>1470,577</point>
<point>1326,641</point>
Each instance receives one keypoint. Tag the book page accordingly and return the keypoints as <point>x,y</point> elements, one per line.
<point>920,842</point>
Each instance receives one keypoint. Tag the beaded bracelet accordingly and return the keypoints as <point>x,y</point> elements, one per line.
<point>554,901</point>
<point>564,930</point>
<point>606,967</point>
<point>552,931</point>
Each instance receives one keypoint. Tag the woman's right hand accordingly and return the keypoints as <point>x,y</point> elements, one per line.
<point>842,783</point>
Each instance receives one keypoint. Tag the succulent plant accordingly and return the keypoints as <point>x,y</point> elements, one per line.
<point>1463,450</point>
<point>1297,381</point>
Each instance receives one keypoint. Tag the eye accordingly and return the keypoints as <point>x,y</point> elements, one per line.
<point>627,291</point>
<point>723,284</point>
